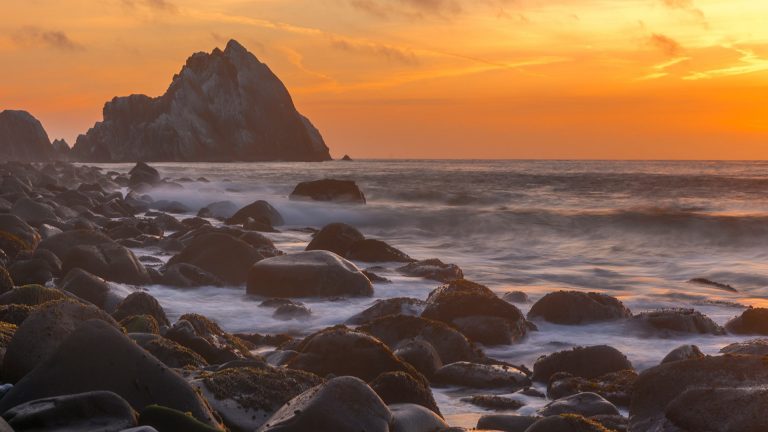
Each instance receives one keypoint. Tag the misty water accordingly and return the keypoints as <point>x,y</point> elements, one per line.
<point>638,231</point>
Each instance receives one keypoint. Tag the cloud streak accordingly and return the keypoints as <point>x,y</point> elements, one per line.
<point>387,52</point>
<point>157,5</point>
<point>687,6</point>
<point>665,43</point>
<point>31,36</point>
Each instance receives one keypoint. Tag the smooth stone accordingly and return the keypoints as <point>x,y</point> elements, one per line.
<point>335,237</point>
<point>373,251</point>
<point>390,306</point>
<point>587,404</point>
<point>475,375</point>
<point>224,256</point>
<point>414,418</point>
<point>432,269</point>
<point>258,210</point>
<point>751,321</point>
<point>685,352</point>
<point>400,387</point>
<point>141,303</point>
<point>345,191</point>
<point>109,261</point>
<point>506,422</point>
<point>575,307</point>
<point>585,362</point>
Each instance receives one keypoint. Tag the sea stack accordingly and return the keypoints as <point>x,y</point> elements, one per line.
<point>22,138</point>
<point>222,106</point>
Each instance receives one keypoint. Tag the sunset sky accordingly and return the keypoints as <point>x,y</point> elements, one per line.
<point>637,79</point>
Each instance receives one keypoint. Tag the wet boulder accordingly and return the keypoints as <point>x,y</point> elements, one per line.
<point>477,312</point>
<point>95,410</point>
<point>585,404</point>
<point>494,403</point>
<point>749,347</point>
<point>224,256</point>
<point>90,288</point>
<point>685,352</point>
<point>616,387</point>
<point>344,191</point>
<point>40,335</point>
<point>307,274</point>
<point>33,271</point>
<point>432,269</point>
<point>110,261</point>
<point>372,250</point>
<point>585,362</point>
<point>185,275</point>
<point>669,321</point>
<point>516,297</point>
<point>98,356</point>
<point>288,312</point>
<point>206,338</point>
<point>344,404</point>
<point>658,387</point>
<point>420,354</point>
<point>566,423</point>
<point>719,409</point>
<point>34,212</point>
<point>335,237</point>
<point>400,388</point>
<point>6,282</point>
<point>142,173</point>
<point>506,422</point>
<point>391,306</point>
<point>407,417</point>
<point>218,210</point>
<point>575,307</point>
<point>140,324</point>
<point>246,397</point>
<point>476,375</point>
<point>169,352</point>
<point>16,235</point>
<point>30,295</point>
<point>141,303</point>
<point>61,244</point>
<point>342,351</point>
<point>751,321</point>
<point>258,211</point>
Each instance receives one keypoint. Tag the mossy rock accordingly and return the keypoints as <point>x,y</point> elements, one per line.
<point>169,352</point>
<point>140,324</point>
<point>6,283</point>
<point>169,420</point>
<point>7,331</point>
<point>15,313</point>
<point>31,295</point>
<point>211,332</point>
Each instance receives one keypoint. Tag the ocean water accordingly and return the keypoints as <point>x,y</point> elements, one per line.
<point>635,230</point>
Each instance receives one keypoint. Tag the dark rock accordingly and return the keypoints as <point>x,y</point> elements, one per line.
<point>477,312</point>
<point>718,285</point>
<point>15,314</point>
<point>345,191</point>
<point>574,307</point>
<point>222,106</point>
<point>6,283</point>
<point>449,343</point>
<point>40,335</point>
<point>61,244</point>
<point>218,210</point>
<point>657,387</point>
<point>169,352</point>
<point>475,375</point>
<point>33,212</point>
<point>31,272</point>
<point>400,387</point>
<point>493,402</point>
<point>188,276</point>
<point>307,274</point>
<point>47,231</point>
<point>336,237</point>
<point>258,211</point>
<point>720,409</point>
<point>22,138</point>
<point>666,321</point>
<point>143,173</point>
<point>341,351</point>
<point>615,386</point>
<point>292,311</point>
<point>246,397</point>
<point>346,158</point>
<point>206,338</point>
<point>141,303</point>
<point>684,352</point>
<point>16,235</point>
<point>516,297</point>
<point>7,330</point>
<point>277,302</point>
<point>432,269</point>
<point>343,404</point>
<point>226,257</point>
<point>751,321</point>
<point>506,422</point>
<point>585,404</point>
<point>375,278</point>
<point>371,250</point>
<point>585,362</point>
<point>97,355</point>
<point>140,324</point>
<point>91,288</point>
<point>420,354</point>
<point>408,417</point>
<point>566,423</point>
<point>749,347</point>
<point>30,295</point>
<point>163,419</point>
<point>96,410</point>
<point>391,306</point>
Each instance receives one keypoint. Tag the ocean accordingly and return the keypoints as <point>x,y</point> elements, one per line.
<point>636,230</point>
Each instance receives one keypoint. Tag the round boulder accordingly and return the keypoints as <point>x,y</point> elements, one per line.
<point>110,261</point>
<point>345,191</point>
<point>585,362</point>
<point>336,238</point>
<point>16,235</point>
<point>575,307</point>
<point>224,256</point>
<point>97,410</point>
<point>751,321</point>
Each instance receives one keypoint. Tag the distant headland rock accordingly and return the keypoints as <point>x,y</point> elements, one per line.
<point>222,106</point>
<point>22,138</point>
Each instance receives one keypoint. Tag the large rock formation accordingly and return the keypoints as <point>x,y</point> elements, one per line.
<point>22,138</point>
<point>222,106</point>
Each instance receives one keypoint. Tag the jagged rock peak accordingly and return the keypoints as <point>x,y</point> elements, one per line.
<point>222,106</point>
<point>22,138</point>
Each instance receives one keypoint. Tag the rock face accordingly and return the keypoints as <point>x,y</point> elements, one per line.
<point>22,138</point>
<point>222,106</point>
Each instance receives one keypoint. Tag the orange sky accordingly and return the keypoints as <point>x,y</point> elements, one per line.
<point>647,79</point>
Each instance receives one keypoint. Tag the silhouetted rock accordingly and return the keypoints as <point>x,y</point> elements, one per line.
<point>222,106</point>
<point>22,138</point>
<point>751,321</point>
<point>345,191</point>
<point>346,158</point>
<point>335,237</point>
<point>257,211</point>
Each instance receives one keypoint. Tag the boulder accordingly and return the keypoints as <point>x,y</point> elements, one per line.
<point>97,356</point>
<point>345,191</point>
<point>574,307</point>
<point>34,212</point>
<point>400,388</point>
<point>516,297</point>
<point>750,347</point>
<point>40,335</point>
<point>206,338</point>
<point>566,423</point>
<point>292,311</point>
<point>61,244</point>
<point>506,422</point>
<point>666,321</point>
<point>110,261</point>
<point>91,288</point>
<point>391,306</point>
<point>169,352</point>
<point>185,275</point>
<point>684,352</point>
<point>246,397</point>
<point>371,250</point>
<point>420,354</point>
<point>720,409</point>
<point>90,411</point>
<point>432,269</point>
<point>477,312</point>
<point>226,257</point>
<point>585,362</point>
<point>751,321</point>
<point>141,303</point>
<point>494,403</point>
<point>307,274</point>
<point>658,387</point>
<point>586,404</point>
<point>33,271</point>
<point>140,324</point>
<point>156,418</point>
<point>344,404</point>
<point>15,314</point>
<point>408,417</point>
<point>218,210</point>
<point>30,295</point>
<point>336,237</point>
<point>16,235</point>
<point>6,283</point>
<point>475,375</point>
<point>142,173</point>
<point>258,211</point>
<point>616,387</point>
<point>22,138</point>
<point>342,351</point>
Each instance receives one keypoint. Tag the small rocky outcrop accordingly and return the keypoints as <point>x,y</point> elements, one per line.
<point>585,362</point>
<point>22,138</point>
<point>751,321</point>
<point>433,269</point>
<point>342,191</point>
<point>575,307</point>
<point>664,322</point>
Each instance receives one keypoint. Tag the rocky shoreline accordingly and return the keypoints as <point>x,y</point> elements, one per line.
<point>80,351</point>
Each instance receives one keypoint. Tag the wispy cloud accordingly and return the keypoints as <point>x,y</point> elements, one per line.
<point>387,52</point>
<point>665,43</point>
<point>749,62</point>
<point>158,5</point>
<point>689,7</point>
<point>407,8</point>
<point>660,70</point>
<point>30,36</point>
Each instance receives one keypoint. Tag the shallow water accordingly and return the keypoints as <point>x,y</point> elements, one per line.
<point>635,230</point>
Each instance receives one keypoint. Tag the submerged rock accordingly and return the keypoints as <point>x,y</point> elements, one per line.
<point>432,269</point>
<point>617,387</point>
<point>683,352</point>
<point>676,321</point>
<point>345,191</point>
<point>575,307</point>
<point>475,375</point>
<point>585,362</point>
<point>257,211</point>
<point>308,274</point>
<point>585,404</point>
<point>390,306</point>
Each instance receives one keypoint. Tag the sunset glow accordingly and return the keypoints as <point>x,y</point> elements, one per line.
<point>647,79</point>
